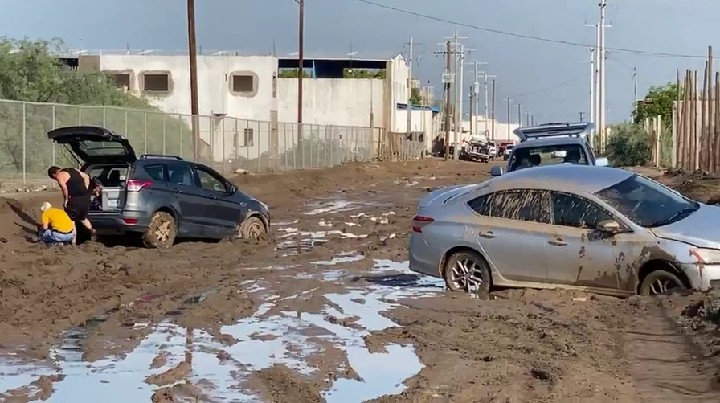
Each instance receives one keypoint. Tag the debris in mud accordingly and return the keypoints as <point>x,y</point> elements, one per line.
<point>704,311</point>
<point>542,374</point>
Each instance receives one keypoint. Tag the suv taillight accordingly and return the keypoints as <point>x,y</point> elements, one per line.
<point>137,185</point>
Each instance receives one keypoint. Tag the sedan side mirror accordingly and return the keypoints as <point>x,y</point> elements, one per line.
<point>232,189</point>
<point>609,227</point>
<point>496,171</point>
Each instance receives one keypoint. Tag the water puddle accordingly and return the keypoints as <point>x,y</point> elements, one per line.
<point>334,206</point>
<point>273,335</point>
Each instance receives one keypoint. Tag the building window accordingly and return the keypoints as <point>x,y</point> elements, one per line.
<point>247,139</point>
<point>244,83</point>
<point>120,79</point>
<point>156,82</point>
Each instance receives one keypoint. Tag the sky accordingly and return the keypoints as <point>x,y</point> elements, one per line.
<point>551,81</point>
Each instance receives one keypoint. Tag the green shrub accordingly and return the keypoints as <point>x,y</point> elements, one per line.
<point>628,145</point>
<point>58,96</point>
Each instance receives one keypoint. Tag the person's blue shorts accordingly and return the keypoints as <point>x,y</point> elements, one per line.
<point>52,237</point>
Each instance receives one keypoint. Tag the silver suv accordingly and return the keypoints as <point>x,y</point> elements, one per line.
<point>160,197</point>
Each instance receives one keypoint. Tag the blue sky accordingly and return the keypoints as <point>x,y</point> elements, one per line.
<point>528,71</point>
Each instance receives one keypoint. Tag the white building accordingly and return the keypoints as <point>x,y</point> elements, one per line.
<point>262,91</point>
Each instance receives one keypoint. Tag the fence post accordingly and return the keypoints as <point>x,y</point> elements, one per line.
<point>24,143</point>
<point>658,142</point>
<point>674,149</point>
<point>54,151</point>
<point>145,133</point>
<point>164,134</point>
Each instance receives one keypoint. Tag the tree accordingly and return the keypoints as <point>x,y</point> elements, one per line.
<point>658,101</point>
<point>30,71</point>
<point>416,96</point>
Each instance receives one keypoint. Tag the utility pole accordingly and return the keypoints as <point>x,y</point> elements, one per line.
<point>527,118</point>
<point>635,84</point>
<point>301,73</point>
<point>458,51</point>
<point>447,82</point>
<point>601,87</point>
<point>519,110</point>
<point>472,95</point>
<point>492,129</point>
<point>194,107</point>
<point>582,115</point>
<point>508,100</point>
<point>593,83</point>
<point>475,89</point>
<point>409,94</point>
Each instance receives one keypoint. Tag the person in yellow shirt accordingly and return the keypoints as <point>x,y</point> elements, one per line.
<point>56,226</point>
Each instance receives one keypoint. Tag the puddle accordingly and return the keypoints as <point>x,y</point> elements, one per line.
<point>334,206</point>
<point>264,339</point>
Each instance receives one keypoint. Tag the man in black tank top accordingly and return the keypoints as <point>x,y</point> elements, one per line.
<point>76,193</point>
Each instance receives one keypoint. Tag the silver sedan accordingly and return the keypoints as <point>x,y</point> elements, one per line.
<point>600,229</point>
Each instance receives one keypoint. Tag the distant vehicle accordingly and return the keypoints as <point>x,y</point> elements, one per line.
<point>161,197</point>
<point>549,144</point>
<point>492,150</point>
<point>508,151</point>
<point>604,230</point>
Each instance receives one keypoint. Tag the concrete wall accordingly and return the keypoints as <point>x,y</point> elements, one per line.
<point>337,102</point>
<point>333,101</point>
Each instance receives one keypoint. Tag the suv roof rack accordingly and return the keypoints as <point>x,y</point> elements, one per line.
<point>160,156</point>
<point>554,130</point>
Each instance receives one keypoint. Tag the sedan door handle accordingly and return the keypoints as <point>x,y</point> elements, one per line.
<point>557,242</point>
<point>488,234</point>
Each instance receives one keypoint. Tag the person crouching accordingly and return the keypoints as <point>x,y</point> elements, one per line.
<point>56,226</point>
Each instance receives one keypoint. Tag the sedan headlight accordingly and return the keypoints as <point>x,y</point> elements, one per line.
<point>706,256</point>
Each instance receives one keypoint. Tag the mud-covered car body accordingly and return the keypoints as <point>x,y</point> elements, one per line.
<point>133,190</point>
<point>601,229</point>
<point>550,144</point>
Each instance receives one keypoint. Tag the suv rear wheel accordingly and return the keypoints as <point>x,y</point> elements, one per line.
<point>252,228</point>
<point>161,232</point>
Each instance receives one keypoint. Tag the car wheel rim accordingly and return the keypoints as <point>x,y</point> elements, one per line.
<point>662,285</point>
<point>162,233</point>
<point>255,230</point>
<point>466,275</point>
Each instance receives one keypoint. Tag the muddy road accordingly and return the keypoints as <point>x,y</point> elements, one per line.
<point>327,310</point>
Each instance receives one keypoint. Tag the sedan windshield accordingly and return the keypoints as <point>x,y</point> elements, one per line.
<point>646,202</point>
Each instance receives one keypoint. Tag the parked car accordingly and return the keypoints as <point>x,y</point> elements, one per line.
<point>160,197</point>
<point>605,230</point>
<point>549,144</point>
<point>508,151</point>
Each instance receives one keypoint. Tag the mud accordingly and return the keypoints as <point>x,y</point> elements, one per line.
<point>326,310</point>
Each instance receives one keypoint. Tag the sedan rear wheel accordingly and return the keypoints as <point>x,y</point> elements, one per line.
<point>467,271</point>
<point>660,282</point>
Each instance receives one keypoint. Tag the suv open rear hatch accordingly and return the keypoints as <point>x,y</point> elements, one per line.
<point>94,145</point>
<point>582,129</point>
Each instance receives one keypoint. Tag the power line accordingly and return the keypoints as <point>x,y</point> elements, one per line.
<point>548,88</point>
<point>524,36</point>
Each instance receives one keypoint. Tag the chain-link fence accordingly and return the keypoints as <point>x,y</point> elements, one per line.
<point>226,143</point>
